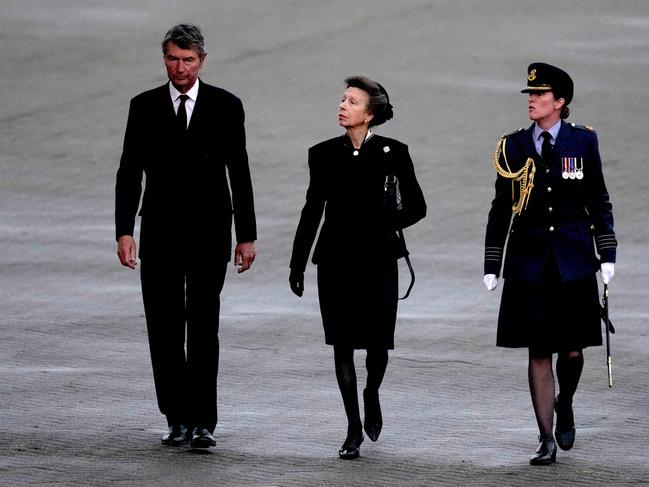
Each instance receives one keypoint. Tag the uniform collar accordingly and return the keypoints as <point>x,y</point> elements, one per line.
<point>554,131</point>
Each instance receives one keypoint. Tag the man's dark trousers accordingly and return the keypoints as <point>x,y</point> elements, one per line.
<point>175,294</point>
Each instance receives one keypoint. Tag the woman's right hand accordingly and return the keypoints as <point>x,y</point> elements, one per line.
<point>296,280</point>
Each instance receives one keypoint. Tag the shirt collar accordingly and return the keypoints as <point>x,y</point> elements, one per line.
<point>347,141</point>
<point>192,93</point>
<point>554,131</point>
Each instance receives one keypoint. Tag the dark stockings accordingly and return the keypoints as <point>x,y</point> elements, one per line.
<point>569,367</point>
<point>541,381</point>
<point>376,363</point>
<point>346,376</point>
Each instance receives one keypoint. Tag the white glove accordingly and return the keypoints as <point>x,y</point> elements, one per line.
<point>491,281</point>
<point>607,271</point>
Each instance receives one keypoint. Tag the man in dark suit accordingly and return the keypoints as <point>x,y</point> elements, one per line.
<point>183,136</point>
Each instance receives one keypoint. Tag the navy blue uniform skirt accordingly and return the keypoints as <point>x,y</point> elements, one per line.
<point>550,316</point>
<point>359,306</point>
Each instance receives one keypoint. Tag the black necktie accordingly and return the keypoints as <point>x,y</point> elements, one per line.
<point>181,116</point>
<point>546,147</point>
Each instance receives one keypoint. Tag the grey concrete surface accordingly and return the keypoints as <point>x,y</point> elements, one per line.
<point>77,401</point>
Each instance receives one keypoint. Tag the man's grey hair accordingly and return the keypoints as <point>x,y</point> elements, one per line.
<point>185,36</point>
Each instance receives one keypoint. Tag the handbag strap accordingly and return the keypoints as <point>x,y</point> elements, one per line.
<point>412,272</point>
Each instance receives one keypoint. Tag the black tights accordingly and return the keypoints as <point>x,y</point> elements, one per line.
<point>541,380</point>
<point>376,363</point>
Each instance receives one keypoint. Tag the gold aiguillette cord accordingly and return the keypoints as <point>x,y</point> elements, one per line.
<point>524,176</point>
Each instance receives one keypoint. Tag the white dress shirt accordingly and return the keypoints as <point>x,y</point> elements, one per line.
<point>192,93</point>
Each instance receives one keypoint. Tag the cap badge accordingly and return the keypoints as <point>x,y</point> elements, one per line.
<point>532,75</point>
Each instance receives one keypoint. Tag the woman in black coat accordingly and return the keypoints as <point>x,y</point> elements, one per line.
<point>358,247</point>
<point>550,178</point>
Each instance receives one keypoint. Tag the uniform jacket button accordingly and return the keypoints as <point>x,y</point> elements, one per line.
<point>552,229</point>
<point>549,188</point>
<point>550,209</point>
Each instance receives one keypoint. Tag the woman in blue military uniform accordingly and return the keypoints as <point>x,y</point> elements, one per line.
<point>357,249</point>
<point>549,177</point>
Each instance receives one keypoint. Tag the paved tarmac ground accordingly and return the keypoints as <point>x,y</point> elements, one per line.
<point>77,400</point>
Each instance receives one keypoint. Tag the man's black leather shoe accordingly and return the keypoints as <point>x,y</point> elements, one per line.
<point>351,447</point>
<point>177,435</point>
<point>565,430</point>
<point>373,418</point>
<point>546,453</point>
<point>202,438</point>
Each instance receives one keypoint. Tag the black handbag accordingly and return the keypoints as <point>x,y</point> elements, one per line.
<point>396,240</point>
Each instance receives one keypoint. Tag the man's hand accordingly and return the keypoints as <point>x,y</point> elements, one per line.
<point>126,251</point>
<point>244,256</point>
<point>490,281</point>
<point>296,280</point>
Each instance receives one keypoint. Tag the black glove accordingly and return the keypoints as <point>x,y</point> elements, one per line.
<point>296,280</point>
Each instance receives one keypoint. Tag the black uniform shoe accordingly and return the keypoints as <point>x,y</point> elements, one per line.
<point>373,418</point>
<point>351,447</point>
<point>202,438</point>
<point>546,453</point>
<point>565,429</point>
<point>177,435</point>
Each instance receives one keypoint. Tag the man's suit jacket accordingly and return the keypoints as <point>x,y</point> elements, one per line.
<point>187,205</point>
<point>565,218</point>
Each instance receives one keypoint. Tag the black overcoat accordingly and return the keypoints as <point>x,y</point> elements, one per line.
<point>357,278</point>
<point>349,190</point>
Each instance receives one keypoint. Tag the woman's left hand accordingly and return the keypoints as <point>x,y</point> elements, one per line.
<point>607,271</point>
<point>296,280</point>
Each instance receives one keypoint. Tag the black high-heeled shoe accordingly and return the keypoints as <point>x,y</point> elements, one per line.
<point>546,453</point>
<point>565,429</point>
<point>373,417</point>
<point>351,447</point>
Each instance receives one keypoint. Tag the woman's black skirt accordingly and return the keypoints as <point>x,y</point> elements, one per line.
<point>359,306</point>
<point>550,316</point>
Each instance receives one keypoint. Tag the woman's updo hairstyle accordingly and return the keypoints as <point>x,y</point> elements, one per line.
<point>565,112</point>
<point>380,105</point>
